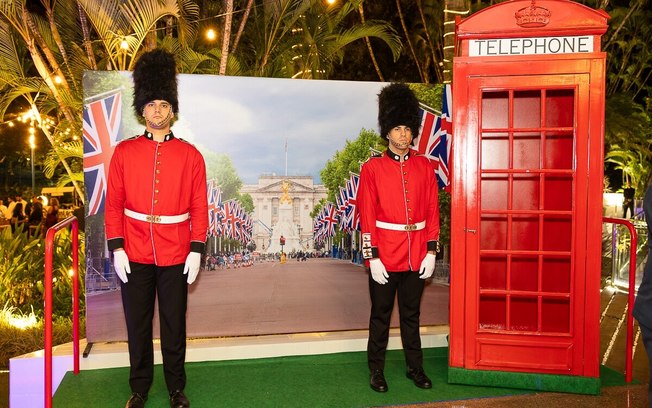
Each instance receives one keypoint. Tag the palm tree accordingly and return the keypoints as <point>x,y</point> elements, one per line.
<point>60,49</point>
<point>226,36</point>
<point>369,47</point>
<point>305,38</point>
<point>423,75</point>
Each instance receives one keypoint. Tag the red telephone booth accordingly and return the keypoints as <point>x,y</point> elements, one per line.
<point>529,89</point>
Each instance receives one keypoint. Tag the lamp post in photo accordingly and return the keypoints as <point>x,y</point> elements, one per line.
<point>299,230</point>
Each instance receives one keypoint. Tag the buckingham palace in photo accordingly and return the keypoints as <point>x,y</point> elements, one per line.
<point>282,208</point>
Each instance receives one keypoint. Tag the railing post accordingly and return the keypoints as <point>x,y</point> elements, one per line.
<point>630,294</point>
<point>47,284</point>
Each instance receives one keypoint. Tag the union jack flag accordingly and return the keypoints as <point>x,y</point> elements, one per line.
<point>352,216</point>
<point>330,219</point>
<point>229,220</point>
<point>214,208</point>
<point>101,126</point>
<point>435,139</point>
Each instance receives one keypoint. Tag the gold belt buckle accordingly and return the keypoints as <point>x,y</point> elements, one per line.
<point>155,219</point>
<point>410,227</point>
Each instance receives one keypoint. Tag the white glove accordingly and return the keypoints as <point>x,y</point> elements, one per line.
<point>427,266</point>
<point>121,264</point>
<point>378,271</point>
<point>193,260</point>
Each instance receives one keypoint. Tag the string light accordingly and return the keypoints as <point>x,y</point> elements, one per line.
<point>211,34</point>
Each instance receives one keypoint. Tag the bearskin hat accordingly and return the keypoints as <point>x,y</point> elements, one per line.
<point>398,106</point>
<point>155,77</point>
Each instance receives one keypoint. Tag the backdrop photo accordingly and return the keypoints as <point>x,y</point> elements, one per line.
<point>276,127</point>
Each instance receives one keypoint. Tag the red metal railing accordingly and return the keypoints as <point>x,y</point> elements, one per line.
<point>630,294</point>
<point>47,284</point>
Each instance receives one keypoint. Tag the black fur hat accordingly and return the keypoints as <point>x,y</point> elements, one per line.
<point>398,106</point>
<point>155,77</point>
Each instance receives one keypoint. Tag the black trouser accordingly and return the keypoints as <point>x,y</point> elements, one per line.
<point>646,333</point>
<point>138,296</point>
<point>409,288</point>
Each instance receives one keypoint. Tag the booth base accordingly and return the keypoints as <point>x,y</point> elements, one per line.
<point>530,381</point>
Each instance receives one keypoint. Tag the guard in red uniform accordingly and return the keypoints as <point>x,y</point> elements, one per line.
<point>399,217</point>
<point>156,222</point>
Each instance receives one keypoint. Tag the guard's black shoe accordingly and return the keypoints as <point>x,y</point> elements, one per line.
<point>137,400</point>
<point>420,378</point>
<point>178,400</point>
<point>377,381</point>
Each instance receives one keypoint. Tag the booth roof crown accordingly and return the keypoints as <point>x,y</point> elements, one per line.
<point>532,16</point>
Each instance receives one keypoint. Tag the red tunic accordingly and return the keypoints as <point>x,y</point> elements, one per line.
<point>399,193</point>
<point>166,178</point>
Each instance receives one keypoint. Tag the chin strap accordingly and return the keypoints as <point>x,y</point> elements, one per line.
<point>163,123</point>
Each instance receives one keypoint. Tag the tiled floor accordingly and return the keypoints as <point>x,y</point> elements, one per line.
<point>613,340</point>
<point>631,396</point>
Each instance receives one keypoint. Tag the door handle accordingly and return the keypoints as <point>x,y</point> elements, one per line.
<point>472,231</point>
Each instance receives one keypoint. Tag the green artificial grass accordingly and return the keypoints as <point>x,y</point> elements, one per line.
<point>329,380</point>
<point>532,381</point>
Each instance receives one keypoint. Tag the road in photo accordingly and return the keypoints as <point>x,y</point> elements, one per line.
<point>320,294</point>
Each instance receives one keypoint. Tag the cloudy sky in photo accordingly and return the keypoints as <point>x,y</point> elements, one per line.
<point>250,120</point>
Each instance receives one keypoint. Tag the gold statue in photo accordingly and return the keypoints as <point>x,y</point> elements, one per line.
<point>285,197</point>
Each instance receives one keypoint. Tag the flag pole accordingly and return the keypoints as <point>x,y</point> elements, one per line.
<point>286,157</point>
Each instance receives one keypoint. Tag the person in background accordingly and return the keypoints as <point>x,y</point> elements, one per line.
<point>156,218</point>
<point>399,219</point>
<point>628,200</point>
<point>19,199</point>
<point>643,303</point>
<point>80,213</point>
<point>3,211</point>
<point>17,216</point>
<point>52,215</point>
<point>10,208</point>
<point>35,218</point>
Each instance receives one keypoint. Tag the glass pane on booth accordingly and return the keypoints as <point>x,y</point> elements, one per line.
<point>493,314</point>
<point>495,109</point>
<point>557,233</point>
<point>558,150</point>
<point>527,109</point>
<point>493,272</point>
<point>494,192</point>
<point>493,232</point>
<point>558,192</point>
<point>527,150</point>
<point>560,108</point>
<point>524,273</point>
<point>495,151</point>
<point>523,313</point>
<point>525,232</point>
<point>555,315</point>
<point>556,274</point>
<point>525,195</point>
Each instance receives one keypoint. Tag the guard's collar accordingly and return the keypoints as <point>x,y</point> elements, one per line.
<point>397,157</point>
<point>167,137</point>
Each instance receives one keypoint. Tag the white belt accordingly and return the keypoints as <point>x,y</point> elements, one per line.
<point>157,219</point>
<point>401,227</point>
